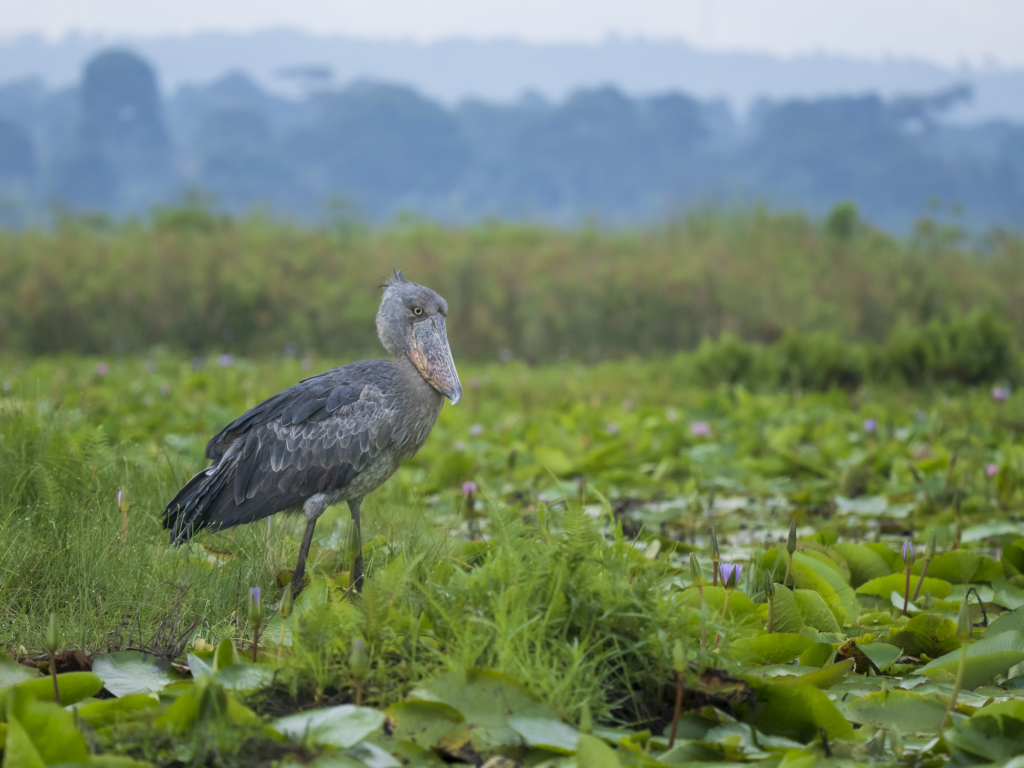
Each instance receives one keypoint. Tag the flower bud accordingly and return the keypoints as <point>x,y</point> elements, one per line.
<point>908,554</point>
<point>678,657</point>
<point>122,500</point>
<point>731,574</point>
<point>791,541</point>
<point>285,608</point>
<point>52,634</point>
<point>696,572</point>
<point>963,622</point>
<point>769,585</point>
<point>358,660</point>
<point>255,606</point>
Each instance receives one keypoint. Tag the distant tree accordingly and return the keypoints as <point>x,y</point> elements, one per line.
<point>85,179</point>
<point>17,154</point>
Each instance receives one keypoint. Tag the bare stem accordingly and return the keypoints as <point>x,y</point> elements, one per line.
<point>906,593</point>
<point>678,709</point>
<point>255,640</point>
<point>924,572</point>
<point>947,720</point>
<point>725,609</point>
<point>53,674</point>
<point>771,614</point>
<point>703,629</point>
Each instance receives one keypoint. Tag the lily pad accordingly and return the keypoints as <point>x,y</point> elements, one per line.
<point>546,733</point>
<point>777,648</point>
<point>897,582</point>
<point>342,726</point>
<point>908,711</point>
<point>126,672</point>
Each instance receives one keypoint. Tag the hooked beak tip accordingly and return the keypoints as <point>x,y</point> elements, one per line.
<point>455,396</point>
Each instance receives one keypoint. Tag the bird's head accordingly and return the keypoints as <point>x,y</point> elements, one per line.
<point>411,322</point>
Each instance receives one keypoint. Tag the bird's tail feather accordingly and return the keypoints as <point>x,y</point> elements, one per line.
<point>190,510</point>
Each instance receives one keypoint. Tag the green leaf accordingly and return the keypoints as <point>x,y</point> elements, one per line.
<point>19,751</point>
<point>1008,622</point>
<point>826,677</point>
<point>245,676</point>
<point>342,726</point>
<point>808,573</point>
<point>1007,595</point>
<point>864,563</point>
<point>994,733</point>
<point>815,612</point>
<point>11,673</point>
<point>897,582</point>
<point>546,733</point>
<point>817,655</point>
<point>795,711</point>
<point>74,686</point>
<point>46,727</point>
<point>926,634</point>
<point>592,752</point>
<point>226,655</point>
<point>99,714</point>
<point>881,654</point>
<point>908,711</point>
<point>979,669</point>
<point>956,567</point>
<point>714,598</point>
<point>1012,640</point>
<point>422,722</point>
<point>787,612</point>
<point>128,672</point>
<point>778,648</point>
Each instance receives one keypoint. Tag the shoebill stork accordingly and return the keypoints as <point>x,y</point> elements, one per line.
<point>335,437</point>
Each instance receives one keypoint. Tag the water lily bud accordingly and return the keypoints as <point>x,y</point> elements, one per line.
<point>586,719</point>
<point>963,622</point>
<point>122,500</point>
<point>908,554</point>
<point>714,547</point>
<point>52,634</point>
<point>678,657</point>
<point>731,574</point>
<point>931,546</point>
<point>696,573</point>
<point>286,601</point>
<point>255,606</point>
<point>769,585</point>
<point>791,541</point>
<point>358,660</point>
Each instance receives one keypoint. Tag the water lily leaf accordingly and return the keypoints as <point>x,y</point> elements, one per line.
<point>1007,595</point>
<point>867,506</point>
<point>864,563</point>
<point>795,711</point>
<point>908,711</point>
<point>594,753</point>
<point>978,670</point>
<point>226,654</point>
<point>342,726</point>
<point>546,733</point>
<point>1012,640</point>
<point>787,612</point>
<point>817,655</point>
<point>40,733</point>
<point>815,612</point>
<point>12,673</point>
<point>956,567</point>
<point>926,634</point>
<point>372,756</point>
<point>777,648</point>
<point>881,654</point>
<point>198,666</point>
<point>74,686</point>
<point>714,598</point>
<point>1008,622</point>
<point>99,714</point>
<point>808,573</point>
<point>994,733</point>
<point>245,676</point>
<point>826,677</point>
<point>422,722</point>
<point>897,582</point>
<point>127,672</point>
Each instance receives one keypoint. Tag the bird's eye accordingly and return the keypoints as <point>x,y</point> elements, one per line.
<point>417,311</point>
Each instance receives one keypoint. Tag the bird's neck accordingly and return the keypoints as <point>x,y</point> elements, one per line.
<point>412,381</point>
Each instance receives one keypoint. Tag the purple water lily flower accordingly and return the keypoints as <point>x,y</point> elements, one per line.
<point>102,369</point>
<point>730,574</point>
<point>476,430</point>
<point>991,470</point>
<point>1000,393</point>
<point>254,596</point>
<point>612,428</point>
<point>870,425</point>
<point>700,429</point>
<point>908,553</point>
<point>468,487</point>
<point>226,361</point>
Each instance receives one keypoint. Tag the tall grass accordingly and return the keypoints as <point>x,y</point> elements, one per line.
<point>198,282</point>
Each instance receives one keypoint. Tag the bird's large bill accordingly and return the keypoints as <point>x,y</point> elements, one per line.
<point>432,357</point>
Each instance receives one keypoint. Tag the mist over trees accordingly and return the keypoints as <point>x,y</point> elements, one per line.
<point>115,145</point>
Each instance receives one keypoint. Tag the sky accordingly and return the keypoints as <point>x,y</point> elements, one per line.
<point>979,33</point>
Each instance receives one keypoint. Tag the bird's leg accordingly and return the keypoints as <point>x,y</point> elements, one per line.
<point>313,508</point>
<point>357,567</point>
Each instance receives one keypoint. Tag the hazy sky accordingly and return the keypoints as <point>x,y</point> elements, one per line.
<point>980,32</point>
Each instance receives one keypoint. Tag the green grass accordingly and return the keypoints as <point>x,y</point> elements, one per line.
<point>594,485</point>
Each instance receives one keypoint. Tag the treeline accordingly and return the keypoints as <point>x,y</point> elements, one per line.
<point>115,144</point>
<point>198,282</point>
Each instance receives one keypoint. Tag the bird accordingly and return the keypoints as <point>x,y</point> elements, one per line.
<point>330,438</point>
